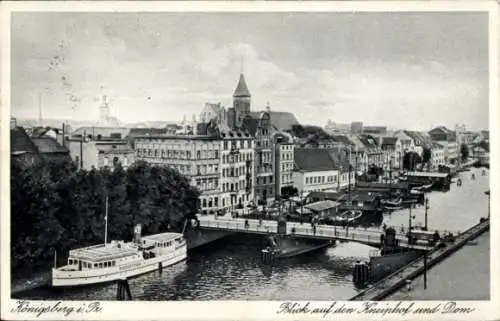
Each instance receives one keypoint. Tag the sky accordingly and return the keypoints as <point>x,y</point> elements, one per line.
<point>404,70</point>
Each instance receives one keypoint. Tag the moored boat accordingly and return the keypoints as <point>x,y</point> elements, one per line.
<point>119,260</point>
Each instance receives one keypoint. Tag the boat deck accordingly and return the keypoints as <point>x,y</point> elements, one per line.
<point>103,253</point>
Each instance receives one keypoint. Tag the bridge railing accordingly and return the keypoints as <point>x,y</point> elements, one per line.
<point>239,224</point>
<point>369,236</point>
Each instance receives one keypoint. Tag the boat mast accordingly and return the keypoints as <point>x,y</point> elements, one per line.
<point>106,223</point>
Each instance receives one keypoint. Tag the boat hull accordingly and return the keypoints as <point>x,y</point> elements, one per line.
<point>62,278</point>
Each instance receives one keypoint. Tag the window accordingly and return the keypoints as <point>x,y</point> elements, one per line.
<point>106,161</point>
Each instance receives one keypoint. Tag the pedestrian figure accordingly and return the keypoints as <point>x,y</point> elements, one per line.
<point>473,176</point>
<point>314,229</point>
<point>260,221</point>
<point>246,224</point>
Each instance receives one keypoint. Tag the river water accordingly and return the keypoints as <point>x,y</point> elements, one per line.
<point>230,269</point>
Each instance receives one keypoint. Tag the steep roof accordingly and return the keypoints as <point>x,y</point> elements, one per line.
<point>313,159</point>
<point>20,142</point>
<point>47,145</point>
<point>242,88</point>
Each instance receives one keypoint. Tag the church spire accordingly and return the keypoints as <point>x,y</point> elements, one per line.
<point>242,88</point>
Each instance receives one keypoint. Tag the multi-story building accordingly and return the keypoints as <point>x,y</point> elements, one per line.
<point>283,161</point>
<point>237,170</point>
<point>375,155</point>
<point>264,159</point>
<point>219,164</point>
<point>196,156</point>
<point>391,146</point>
<point>437,156</point>
<point>447,138</point>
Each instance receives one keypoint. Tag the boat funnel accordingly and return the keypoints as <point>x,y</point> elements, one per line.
<point>137,233</point>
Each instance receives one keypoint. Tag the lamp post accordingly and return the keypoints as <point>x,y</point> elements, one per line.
<point>410,217</point>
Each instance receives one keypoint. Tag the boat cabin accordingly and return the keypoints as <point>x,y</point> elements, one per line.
<point>167,240</point>
<point>440,181</point>
<point>323,208</point>
<point>101,256</point>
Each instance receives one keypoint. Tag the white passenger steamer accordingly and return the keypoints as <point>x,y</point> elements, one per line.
<point>118,260</point>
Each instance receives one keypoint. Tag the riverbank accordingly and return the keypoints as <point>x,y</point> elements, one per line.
<point>396,280</point>
<point>451,279</point>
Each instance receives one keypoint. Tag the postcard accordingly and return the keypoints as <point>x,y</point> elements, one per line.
<point>250,160</point>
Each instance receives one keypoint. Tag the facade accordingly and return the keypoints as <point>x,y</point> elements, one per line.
<point>197,157</point>
<point>375,155</point>
<point>391,146</point>
<point>437,156</point>
<point>283,162</point>
<point>236,170</point>
<point>264,161</point>
<point>447,138</point>
<point>220,165</point>
<point>88,154</point>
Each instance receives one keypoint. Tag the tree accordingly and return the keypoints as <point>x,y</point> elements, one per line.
<point>464,151</point>
<point>55,206</point>
<point>411,160</point>
<point>288,191</point>
<point>426,156</point>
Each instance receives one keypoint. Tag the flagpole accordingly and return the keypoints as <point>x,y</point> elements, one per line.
<point>106,225</point>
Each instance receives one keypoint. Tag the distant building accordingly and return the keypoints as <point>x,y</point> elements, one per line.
<point>437,156</point>
<point>375,131</point>
<point>31,149</point>
<point>447,138</point>
<point>105,118</point>
<point>99,133</point>
<point>392,150</point>
<point>357,127</point>
<point>88,153</point>
<point>336,128</point>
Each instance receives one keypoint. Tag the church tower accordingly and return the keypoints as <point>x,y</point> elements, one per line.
<point>241,101</point>
<point>104,111</point>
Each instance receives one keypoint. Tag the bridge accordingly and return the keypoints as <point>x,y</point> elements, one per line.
<point>368,236</point>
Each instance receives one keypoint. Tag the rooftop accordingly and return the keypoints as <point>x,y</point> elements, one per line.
<point>427,174</point>
<point>321,205</point>
<point>313,159</point>
<point>20,142</point>
<point>48,145</point>
<point>163,237</point>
